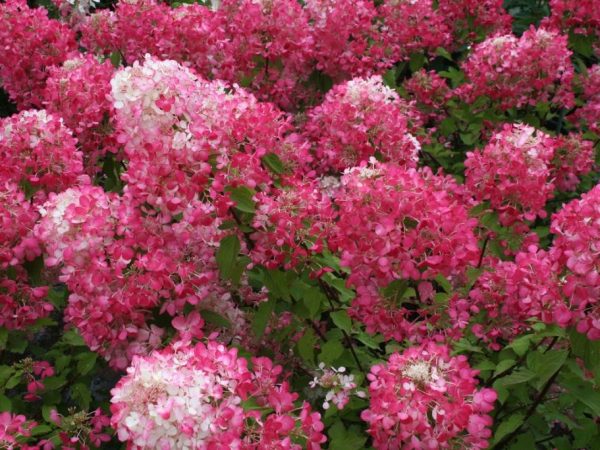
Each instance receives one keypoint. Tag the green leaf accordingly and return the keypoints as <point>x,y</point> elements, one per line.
<point>417,60</point>
<point>5,403</point>
<point>215,319</point>
<point>3,337</point>
<point>55,382</point>
<point>341,438</point>
<point>115,59</point>
<point>389,78</point>
<point>41,429</point>
<point>262,316</point>
<point>86,362</point>
<point>312,299</point>
<point>81,394</point>
<point>342,320</point>
<point>440,51</point>
<point>330,351</point>
<point>13,381</point>
<point>517,377</point>
<point>503,366</point>
<point>72,338</point>
<point>242,196</point>
<point>545,365</point>
<point>273,163</point>
<point>306,346</point>
<point>507,426</point>
<point>227,256</point>
<point>521,344</point>
<point>46,411</point>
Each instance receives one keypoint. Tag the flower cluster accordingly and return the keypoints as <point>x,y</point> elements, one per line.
<point>520,72</point>
<point>513,293</point>
<point>589,113</point>
<point>580,16</point>
<point>291,224</point>
<point>425,398</point>
<point>13,426</point>
<point>37,149</point>
<point>577,232</point>
<point>470,20</point>
<point>78,91</point>
<point>17,218</point>
<point>573,158</point>
<point>358,120</point>
<point>194,397</point>
<point>338,384</point>
<point>21,304</point>
<point>413,27</point>
<point>513,173</point>
<point>430,93</point>
<point>346,41</point>
<point>397,224</point>
<point>30,44</point>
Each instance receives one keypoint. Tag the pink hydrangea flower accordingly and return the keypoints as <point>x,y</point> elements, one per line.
<point>425,383</point>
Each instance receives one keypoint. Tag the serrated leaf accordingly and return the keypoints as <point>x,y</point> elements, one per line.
<point>215,319</point>
<point>3,337</point>
<point>5,403</point>
<point>242,196</point>
<point>71,337</point>
<point>521,344</point>
<point>227,256</point>
<point>274,164</point>
<point>330,351</point>
<point>306,346</point>
<point>86,362</point>
<point>342,320</point>
<point>545,365</point>
<point>41,429</point>
<point>507,426</point>
<point>517,377</point>
<point>503,366</point>
<point>440,51</point>
<point>262,316</point>
<point>82,395</point>
<point>312,299</point>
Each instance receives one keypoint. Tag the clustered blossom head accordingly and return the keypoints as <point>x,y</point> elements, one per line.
<point>576,229</point>
<point>13,426</point>
<point>358,120</point>
<point>589,113</point>
<point>78,91</point>
<point>30,44</point>
<point>412,26</point>
<point>513,173</point>
<point>292,224</point>
<point>270,44</point>
<point>573,157</point>
<point>193,397</point>
<point>470,20</point>
<point>513,293</point>
<point>346,39</point>
<point>120,265</point>
<point>17,219</point>
<point>520,72</point>
<point>430,93</point>
<point>21,304</point>
<point>394,224</point>
<point>36,148</point>
<point>172,123</point>
<point>425,398</point>
<point>338,384</point>
<point>579,16</point>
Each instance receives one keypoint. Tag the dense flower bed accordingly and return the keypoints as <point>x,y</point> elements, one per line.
<point>273,224</point>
